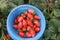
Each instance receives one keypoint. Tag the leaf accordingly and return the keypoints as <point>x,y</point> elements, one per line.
<point>52,28</point>
<point>38,3</point>
<point>0,24</point>
<point>58,29</point>
<point>17,2</point>
<point>47,33</point>
<point>55,22</point>
<point>57,12</point>
<point>53,36</point>
<point>58,37</point>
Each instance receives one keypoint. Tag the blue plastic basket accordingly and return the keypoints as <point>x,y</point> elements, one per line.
<point>14,13</point>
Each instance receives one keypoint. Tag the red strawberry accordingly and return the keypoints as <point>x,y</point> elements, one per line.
<point>34,26</point>
<point>20,19</point>
<point>37,29</point>
<point>29,15</point>
<point>37,24</point>
<point>22,15</point>
<point>24,29</point>
<point>20,30</point>
<point>28,18</point>
<point>24,23</point>
<point>28,28</point>
<point>31,11</point>
<point>25,12</point>
<point>7,36</point>
<point>28,34</point>
<point>33,33</point>
<point>36,17</point>
<point>16,21</point>
<point>21,34</point>
<point>20,25</point>
<point>15,26</point>
<point>29,22</point>
<point>35,21</point>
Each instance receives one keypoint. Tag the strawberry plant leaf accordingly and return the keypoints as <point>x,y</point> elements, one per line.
<point>57,12</point>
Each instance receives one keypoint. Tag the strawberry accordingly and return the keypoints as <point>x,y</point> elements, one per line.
<point>36,17</point>
<point>34,21</point>
<point>28,18</point>
<point>20,30</point>
<point>28,34</point>
<point>20,19</point>
<point>16,21</point>
<point>26,13</point>
<point>37,29</point>
<point>29,22</point>
<point>15,26</point>
<point>22,15</point>
<point>7,36</point>
<point>37,24</point>
<point>20,25</point>
<point>31,11</point>
<point>29,15</point>
<point>33,33</point>
<point>21,33</point>
<point>24,23</point>
<point>34,26</point>
<point>28,28</point>
<point>24,29</point>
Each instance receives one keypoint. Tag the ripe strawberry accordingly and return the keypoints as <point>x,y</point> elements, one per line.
<point>22,15</point>
<point>16,21</point>
<point>24,29</point>
<point>35,21</point>
<point>34,26</point>
<point>20,19</point>
<point>33,33</point>
<point>21,34</point>
<point>37,29</point>
<point>15,26</point>
<point>28,28</point>
<point>36,17</point>
<point>29,22</point>
<point>20,25</point>
<point>26,13</point>
<point>28,34</point>
<point>37,24</point>
<point>24,23</point>
<point>7,36</point>
<point>29,15</point>
<point>28,18</point>
<point>20,30</point>
<point>31,11</point>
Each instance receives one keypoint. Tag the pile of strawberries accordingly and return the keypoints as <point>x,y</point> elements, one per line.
<point>27,24</point>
